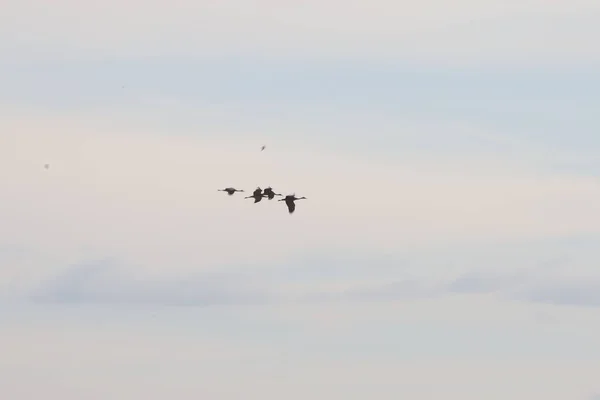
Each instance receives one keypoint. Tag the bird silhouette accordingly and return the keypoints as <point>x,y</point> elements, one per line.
<point>263,147</point>
<point>230,190</point>
<point>257,195</point>
<point>289,202</point>
<point>268,192</point>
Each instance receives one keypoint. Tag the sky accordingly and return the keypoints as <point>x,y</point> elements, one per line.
<point>448,246</point>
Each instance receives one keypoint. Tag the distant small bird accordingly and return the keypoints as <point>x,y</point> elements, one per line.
<point>230,190</point>
<point>268,192</point>
<point>257,195</point>
<point>263,147</point>
<point>289,201</point>
<point>46,166</point>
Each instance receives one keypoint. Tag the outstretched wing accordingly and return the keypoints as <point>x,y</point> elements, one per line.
<point>290,205</point>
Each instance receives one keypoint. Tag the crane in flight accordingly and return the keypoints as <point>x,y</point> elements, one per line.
<point>289,202</point>
<point>257,195</point>
<point>230,191</point>
<point>268,192</point>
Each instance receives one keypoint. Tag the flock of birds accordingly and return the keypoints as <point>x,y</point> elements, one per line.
<point>259,194</point>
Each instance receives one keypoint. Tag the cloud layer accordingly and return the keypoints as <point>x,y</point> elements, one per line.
<point>448,247</point>
<point>319,280</point>
<point>150,201</point>
<point>468,32</point>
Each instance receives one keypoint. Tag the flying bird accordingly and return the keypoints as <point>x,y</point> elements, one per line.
<point>257,195</point>
<point>268,192</point>
<point>230,190</point>
<point>46,166</point>
<point>289,201</point>
<point>263,147</point>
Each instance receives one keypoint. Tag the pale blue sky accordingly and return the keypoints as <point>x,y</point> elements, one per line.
<point>549,112</point>
<point>461,261</point>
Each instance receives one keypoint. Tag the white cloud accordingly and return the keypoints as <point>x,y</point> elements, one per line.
<point>325,282</point>
<point>105,282</point>
<point>467,31</point>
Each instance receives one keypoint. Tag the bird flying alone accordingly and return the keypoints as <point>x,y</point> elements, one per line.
<point>257,195</point>
<point>230,190</point>
<point>289,202</point>
<point>263,147</point>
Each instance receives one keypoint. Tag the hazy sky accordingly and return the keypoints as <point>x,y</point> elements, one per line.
<point>449,246</point>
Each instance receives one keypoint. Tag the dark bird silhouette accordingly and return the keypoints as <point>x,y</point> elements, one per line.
<point>230,190</point>
<point>263,147</point>
<point>289,202</point>
<point>257,195</point>
<point>268,192</point>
